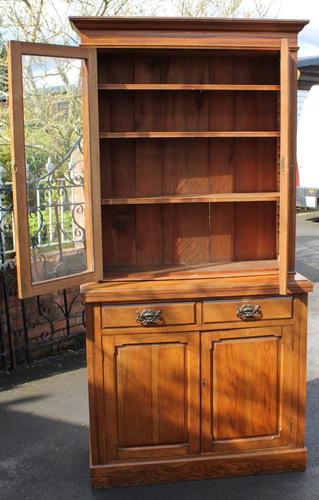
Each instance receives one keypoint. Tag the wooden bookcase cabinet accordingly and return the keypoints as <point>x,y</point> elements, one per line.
<point>189,165</point>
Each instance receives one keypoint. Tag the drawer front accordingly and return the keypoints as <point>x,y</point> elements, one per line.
<point>148,315</point>
<point>224,311</point>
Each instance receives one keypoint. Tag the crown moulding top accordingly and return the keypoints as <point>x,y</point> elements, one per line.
<point>82,24</point>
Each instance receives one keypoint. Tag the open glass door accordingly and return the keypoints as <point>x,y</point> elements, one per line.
<point>55,159</point>
<point>284,166</point>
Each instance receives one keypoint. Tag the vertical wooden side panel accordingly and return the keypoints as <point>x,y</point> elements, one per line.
<point>92,184</point>
<point>302,369</point>
<point>284,166</point>
<point>206,397</point>
<point>110,431</point>
<point>18,170</point>
<point>105,169</point>
<point>107,240</point>
<point>95,385</point>
<point>193,391</point>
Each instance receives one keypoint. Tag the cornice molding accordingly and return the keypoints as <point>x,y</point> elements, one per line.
<point>82,24</point>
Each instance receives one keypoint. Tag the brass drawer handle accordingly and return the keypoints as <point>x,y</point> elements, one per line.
<point>149,317</point>
<point>249,312</point>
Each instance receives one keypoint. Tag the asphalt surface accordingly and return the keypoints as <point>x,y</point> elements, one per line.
<point>44,426</point>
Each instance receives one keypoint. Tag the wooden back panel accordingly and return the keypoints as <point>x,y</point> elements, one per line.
<point>197,233</point>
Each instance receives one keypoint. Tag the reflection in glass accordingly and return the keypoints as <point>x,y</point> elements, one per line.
<point>52,99</point>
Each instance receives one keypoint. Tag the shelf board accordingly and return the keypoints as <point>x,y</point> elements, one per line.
<point>163,135</point>
<point>191,271</point>
<point>185,86</point>
<point>199,198</point>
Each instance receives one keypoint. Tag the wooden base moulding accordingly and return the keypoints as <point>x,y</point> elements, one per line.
<point>197,468</point>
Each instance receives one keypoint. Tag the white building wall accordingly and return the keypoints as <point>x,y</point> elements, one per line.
<point>301,97</point>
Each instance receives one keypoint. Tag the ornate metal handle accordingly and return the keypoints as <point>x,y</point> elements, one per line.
<point>149,317</point>
<point>249,312</point>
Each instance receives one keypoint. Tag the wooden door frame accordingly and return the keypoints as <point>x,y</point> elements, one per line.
<point>91,167</point>
<point>284,165</point>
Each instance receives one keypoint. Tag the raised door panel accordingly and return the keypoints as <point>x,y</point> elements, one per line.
<point>151,394</point>
<point>247,388</point>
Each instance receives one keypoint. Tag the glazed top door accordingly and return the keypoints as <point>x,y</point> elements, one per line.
<point>284,165</point>
<point>55,160</point>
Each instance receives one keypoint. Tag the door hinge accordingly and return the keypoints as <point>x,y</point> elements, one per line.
<point>282,165</point>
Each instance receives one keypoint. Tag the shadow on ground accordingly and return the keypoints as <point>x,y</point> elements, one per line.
<point>42,369</point>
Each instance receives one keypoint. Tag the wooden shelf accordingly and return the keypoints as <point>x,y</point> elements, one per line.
<point>164,135</point>
<point>200,198</point>
<point>185,86</point>
<point>191,271</point>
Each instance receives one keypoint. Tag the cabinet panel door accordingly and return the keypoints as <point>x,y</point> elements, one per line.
<point>55,159</point>
<point>247,388</point>
<point>151,394</point>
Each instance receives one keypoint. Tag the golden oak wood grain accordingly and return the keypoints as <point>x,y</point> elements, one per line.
<point>126,315</point>
<point>198,468</point>
<point>237,412</point>
<point>212,198</point>
<point>300,394</point>
<point>190,114</point>
<point>156,408</point>
<point>219,311</point>
<point>184,86</point>
<point>223,286</point>
<point>163,135</point>
<point>190,203</point>
<point>284,165</point>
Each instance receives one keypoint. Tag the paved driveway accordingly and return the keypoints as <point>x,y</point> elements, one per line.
<point>44,427</point>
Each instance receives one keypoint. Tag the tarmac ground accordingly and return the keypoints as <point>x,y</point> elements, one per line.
<point>44,426</point>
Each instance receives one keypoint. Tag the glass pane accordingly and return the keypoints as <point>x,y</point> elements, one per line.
<point>53,121</point>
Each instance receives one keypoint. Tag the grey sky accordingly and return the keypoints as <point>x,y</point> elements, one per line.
<point>305,9</point>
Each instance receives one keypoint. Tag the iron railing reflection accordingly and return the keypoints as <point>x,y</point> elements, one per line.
<point>32,328</point>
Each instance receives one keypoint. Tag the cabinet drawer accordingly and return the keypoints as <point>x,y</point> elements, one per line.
<point>223,311</point>
<point>148,315</point>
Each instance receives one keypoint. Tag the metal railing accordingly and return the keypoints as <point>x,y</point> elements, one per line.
<point>44,325</point>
